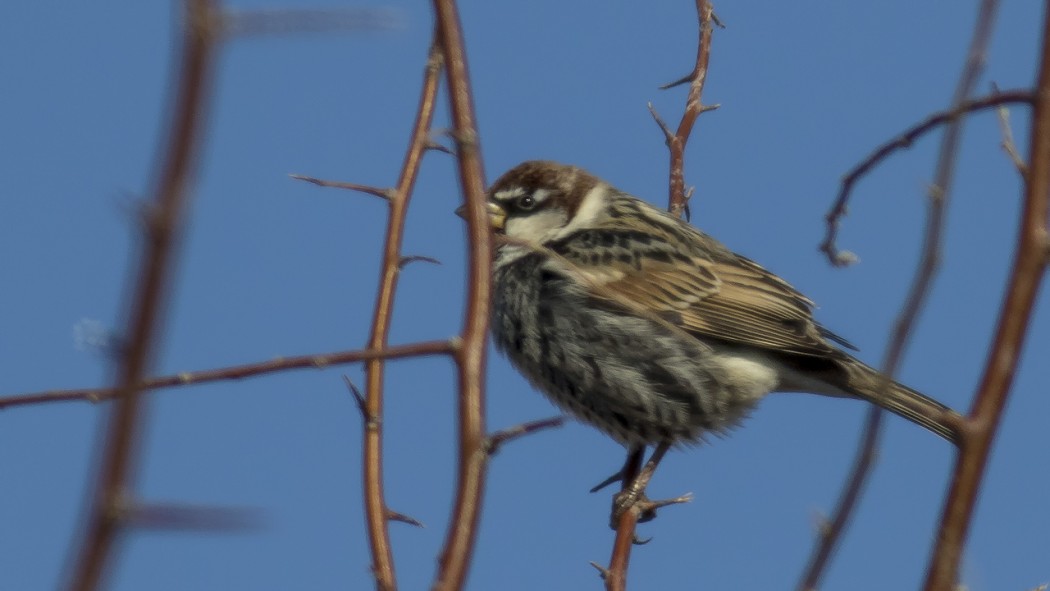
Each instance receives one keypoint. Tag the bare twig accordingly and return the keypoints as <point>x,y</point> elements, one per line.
<point>239,372</point>
<point>376,512</point>
<point>919,291</point>
<point>256,22</point>
<point>496,441</point>
<point>901,141</point>
<point>162,232</point>
<point>676,143</point>
<point>458,547</point>
<point>385,194</point>
<point>986,413</point>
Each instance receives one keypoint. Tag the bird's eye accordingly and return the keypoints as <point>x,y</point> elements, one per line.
<point>526,202</point>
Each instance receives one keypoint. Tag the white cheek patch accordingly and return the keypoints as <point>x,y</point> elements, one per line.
<point>592,207</point>
<point>536,227</point>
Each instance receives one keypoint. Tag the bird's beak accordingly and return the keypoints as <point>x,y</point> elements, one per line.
<point>497,215</point>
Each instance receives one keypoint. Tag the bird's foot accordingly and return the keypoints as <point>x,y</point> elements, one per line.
<point>632,498</point>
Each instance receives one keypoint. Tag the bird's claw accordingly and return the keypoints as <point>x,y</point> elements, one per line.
<point>629,498</point>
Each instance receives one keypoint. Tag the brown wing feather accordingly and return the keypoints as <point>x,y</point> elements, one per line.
<point>706,289</point>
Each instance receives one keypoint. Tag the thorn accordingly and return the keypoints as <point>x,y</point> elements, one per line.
<point>683,80</point>
<point>602,571</point>
<point>362,406</point>
<point>415,258</point>
<point>496,440</point>
<point>438,147</point>
<point>395,516</point>
<point>610,480</point>
<point>637,541</point>
<point>668,136</point>
<point>384,194</point>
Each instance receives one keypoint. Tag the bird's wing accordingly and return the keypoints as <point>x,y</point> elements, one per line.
<point>702,288</point>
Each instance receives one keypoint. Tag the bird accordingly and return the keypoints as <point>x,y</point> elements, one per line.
<point>639,324</point>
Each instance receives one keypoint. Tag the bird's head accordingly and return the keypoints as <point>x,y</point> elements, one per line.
<point>539,200</point>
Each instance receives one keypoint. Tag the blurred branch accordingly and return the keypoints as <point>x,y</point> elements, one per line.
<point>245,23</point>
<point>460,539</point>
<point>828,533</point>
<point>239,372</point>
<point>677,199</point>
<point>162,226</point>
<point>923,279</point>
<point>181,516</point>
<point>903,140</point>
<point>376,511</point>
<point>1030,260</point>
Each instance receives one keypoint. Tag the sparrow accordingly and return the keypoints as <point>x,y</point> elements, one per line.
<point>639,324</point>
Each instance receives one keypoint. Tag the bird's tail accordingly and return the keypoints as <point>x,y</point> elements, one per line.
<point>869,384</point>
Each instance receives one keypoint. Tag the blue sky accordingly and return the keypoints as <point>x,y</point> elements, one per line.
<point>271,267</point>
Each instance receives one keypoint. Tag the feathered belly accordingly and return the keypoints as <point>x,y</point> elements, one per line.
<point>632,377</point>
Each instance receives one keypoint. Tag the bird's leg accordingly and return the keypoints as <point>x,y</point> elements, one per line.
<point>633,492</point>
<point>630,468</point>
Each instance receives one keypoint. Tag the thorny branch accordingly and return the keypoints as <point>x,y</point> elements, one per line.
<point>376,510</point>
<point>459,543</point>
<point>162,228</point>
<point>240,372</point>
<point>678,201</point>
<point>1030,261</point>
<point>921,283</point>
